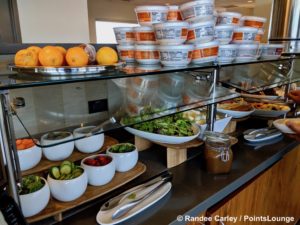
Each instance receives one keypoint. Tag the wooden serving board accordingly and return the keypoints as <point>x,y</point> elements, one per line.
<point>56,208</point>
<point>45,164</point>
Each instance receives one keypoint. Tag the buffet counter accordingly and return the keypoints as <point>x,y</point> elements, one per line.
<point>194,190</point>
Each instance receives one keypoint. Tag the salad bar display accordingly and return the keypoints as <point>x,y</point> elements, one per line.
<point>66,168</point>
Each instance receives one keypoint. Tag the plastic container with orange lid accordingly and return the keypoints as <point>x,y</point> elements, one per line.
<point>201,32</point>
<point>126,52</point>
<point>229,18</point>
<point>174,13</point>
<point>259,35</point>
<point>171,33</point>
<point>148,15</point>
<point>197,10</point>
<point>206,52</point>
<point>125,35</point>
<point>176,55</point>
<point>253,21</point>
<point>145,35</point>
<point>244,35</point>
<point>147,54</point>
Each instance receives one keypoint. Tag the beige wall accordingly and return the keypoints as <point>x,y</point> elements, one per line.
<point>109,10</point>
<point>55,21</point>
<point>263,8</point>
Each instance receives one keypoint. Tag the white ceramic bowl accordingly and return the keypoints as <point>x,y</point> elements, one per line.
<point>148,15</point>
<point>271,51</point>
<point>124,35</point>
<point>33,203</point>
<point>227,53</point>
<point>146,54</point>
<point>229,18</point>
<point>176,55</point>
<point>99,175</point>
<point>30,157</point>
<point>253,21</point>
<point>124,161</point>
<point>68,190</point>
<point>201,32</point>
<point>206,52</point>
<point>164,138</point>
<point>171,33</point>
<point>235,114</point>
<point>89,144</point>
<point>145,35</point>
<point>200,10</point>
<point>244,35</point>
<point>223,33</point>
<point>58,152</point>
<point>280,124</point>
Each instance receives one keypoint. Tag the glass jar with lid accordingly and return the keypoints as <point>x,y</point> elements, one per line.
<point>218,153</point>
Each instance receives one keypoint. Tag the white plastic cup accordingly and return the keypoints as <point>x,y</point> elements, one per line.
<point>271,51</point>
<point>147,54</point>
<point>227,53</point>
<point>201,32</point>
<point>174,13</point>
<point>124,35</point>
<point>206,52</point>
<point>224,33</point>
<point>171,33</point>
<point>197,10</point>
<point>126,52</point>
<point>247,52</point>
<point>145,35</point>
<point>254,21</point>
<point>151,14</point>
<point>229,18</point>
<point>176,55</point>
<point>244,35</point>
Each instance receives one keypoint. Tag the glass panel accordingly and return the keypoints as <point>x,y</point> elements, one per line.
<point>122,102</point>
<point>19,80</point>
<point>257,77</point>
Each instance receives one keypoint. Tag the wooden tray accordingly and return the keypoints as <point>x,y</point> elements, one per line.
<point>56,208</point>
<point>45,164</point>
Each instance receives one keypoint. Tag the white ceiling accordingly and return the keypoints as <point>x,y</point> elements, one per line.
<point>219,3</point>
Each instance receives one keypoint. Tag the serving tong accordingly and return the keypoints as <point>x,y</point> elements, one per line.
<point>253,134</point>
<point>124,202</point>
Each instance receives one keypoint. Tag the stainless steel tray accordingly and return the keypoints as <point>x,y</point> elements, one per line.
<point>65,70</point>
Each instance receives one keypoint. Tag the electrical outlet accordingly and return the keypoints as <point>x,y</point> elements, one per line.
<point>97,106</point>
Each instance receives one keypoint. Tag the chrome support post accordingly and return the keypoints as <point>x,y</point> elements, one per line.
<point>8,146</point>
<point>212,109</point>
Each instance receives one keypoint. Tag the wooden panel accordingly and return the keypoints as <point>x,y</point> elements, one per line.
<point>45,164</point>
<point>55,207</point>
<point>274,193</point>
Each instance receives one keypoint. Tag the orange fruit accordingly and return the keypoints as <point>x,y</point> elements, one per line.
<point>63,51</point>
<point>35,49</point>
<point>51,56</point>
<point>76,56</point>
<point>26,58</point>
<point>106,56</point>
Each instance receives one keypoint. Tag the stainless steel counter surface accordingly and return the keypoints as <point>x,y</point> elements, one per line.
<point>194,190</point>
